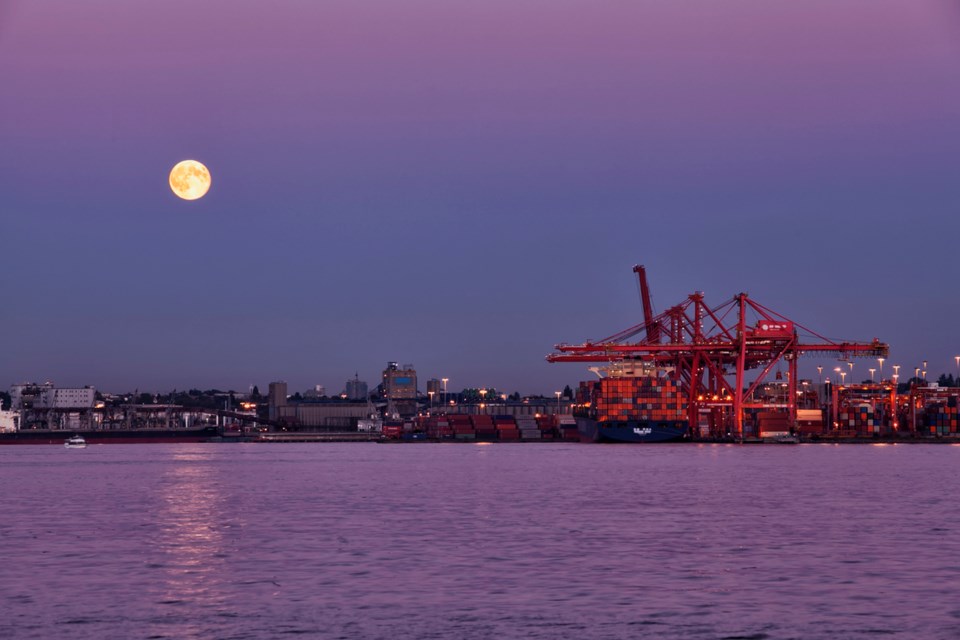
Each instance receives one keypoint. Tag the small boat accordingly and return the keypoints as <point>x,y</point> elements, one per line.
<point>75,442</point>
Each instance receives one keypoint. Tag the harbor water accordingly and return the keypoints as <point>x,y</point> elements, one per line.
<point>479,541</point>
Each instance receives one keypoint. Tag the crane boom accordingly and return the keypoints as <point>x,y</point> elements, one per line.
<point>649,323</point>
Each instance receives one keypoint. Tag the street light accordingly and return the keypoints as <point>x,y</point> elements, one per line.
<point>444,380</point>
<point>850,362</point>
<point>896,371</point>
<point>957,381</point>
<point>430,393</point>
<point>483,397</point>
<point>820,373</point>
<point>880,360</point>
<point>843,378</point>
<point>557,393</point>
<point>872,371</point>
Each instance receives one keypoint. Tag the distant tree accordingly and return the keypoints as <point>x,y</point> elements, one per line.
<point>904,387</point>
<point>5,400</point>
<point>568,392</point>
<point>515,396</point>
<point>946,380</point>
<point>255,394</point>
<point>145,398</point>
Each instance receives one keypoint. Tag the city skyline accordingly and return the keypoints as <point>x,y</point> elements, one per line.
<point>462,186</point>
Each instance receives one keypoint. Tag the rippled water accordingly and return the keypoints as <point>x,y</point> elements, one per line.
<point>471,541</point>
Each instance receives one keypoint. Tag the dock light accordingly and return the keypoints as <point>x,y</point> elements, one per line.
<point>872,371</point>
<point>820,373</point>
<point>880,360</point>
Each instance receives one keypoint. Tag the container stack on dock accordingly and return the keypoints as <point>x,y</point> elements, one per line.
<point>483,427</point>
<point>507,430</point>
<point>527,425</point>
<point>941,420</point>
<point>858,420</point>
<point>568,429</point>
<point>435,427</point>
<point>462,427</point>
<point>773,423</point>
<point>393,429</point>
<point>548,426</point>
<point>809,422</point>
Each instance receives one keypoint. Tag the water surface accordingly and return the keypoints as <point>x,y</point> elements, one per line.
<point>479,541</point>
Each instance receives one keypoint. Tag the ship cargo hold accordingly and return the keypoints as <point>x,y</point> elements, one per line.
<point>644,408</point>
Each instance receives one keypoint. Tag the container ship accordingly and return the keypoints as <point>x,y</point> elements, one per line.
<point>112,436</point>
<point>631,405</point>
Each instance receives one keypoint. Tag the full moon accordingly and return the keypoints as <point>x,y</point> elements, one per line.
<point>189,179</point>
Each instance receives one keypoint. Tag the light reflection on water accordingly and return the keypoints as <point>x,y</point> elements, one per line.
<point>189,520</point>
<point>539,541</point>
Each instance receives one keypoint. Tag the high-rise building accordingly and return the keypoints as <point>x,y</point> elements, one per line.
<point>400,383</point>
<point>400,388</point>
<point>276,398</point>
<point>356,389</point>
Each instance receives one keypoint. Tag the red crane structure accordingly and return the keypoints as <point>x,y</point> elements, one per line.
<point>705,347</point>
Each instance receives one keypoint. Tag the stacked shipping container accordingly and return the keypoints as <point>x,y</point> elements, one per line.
<point>941,420</point>
<point>483,427</point>
<point>858,421</point>
<point>655,398</point>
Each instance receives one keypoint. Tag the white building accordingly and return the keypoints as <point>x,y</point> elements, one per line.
<point>68,398</point>
<point>46,396</point>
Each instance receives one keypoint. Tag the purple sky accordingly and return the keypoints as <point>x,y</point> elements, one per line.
<point>462,184</point>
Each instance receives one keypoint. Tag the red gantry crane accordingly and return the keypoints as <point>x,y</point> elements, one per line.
<point>707,346</point>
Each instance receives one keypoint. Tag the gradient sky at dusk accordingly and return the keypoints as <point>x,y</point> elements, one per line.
<point>461,184</point>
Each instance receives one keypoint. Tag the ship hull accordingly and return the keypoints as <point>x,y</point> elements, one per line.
<point>635,431</point>
<point>118,436</point>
